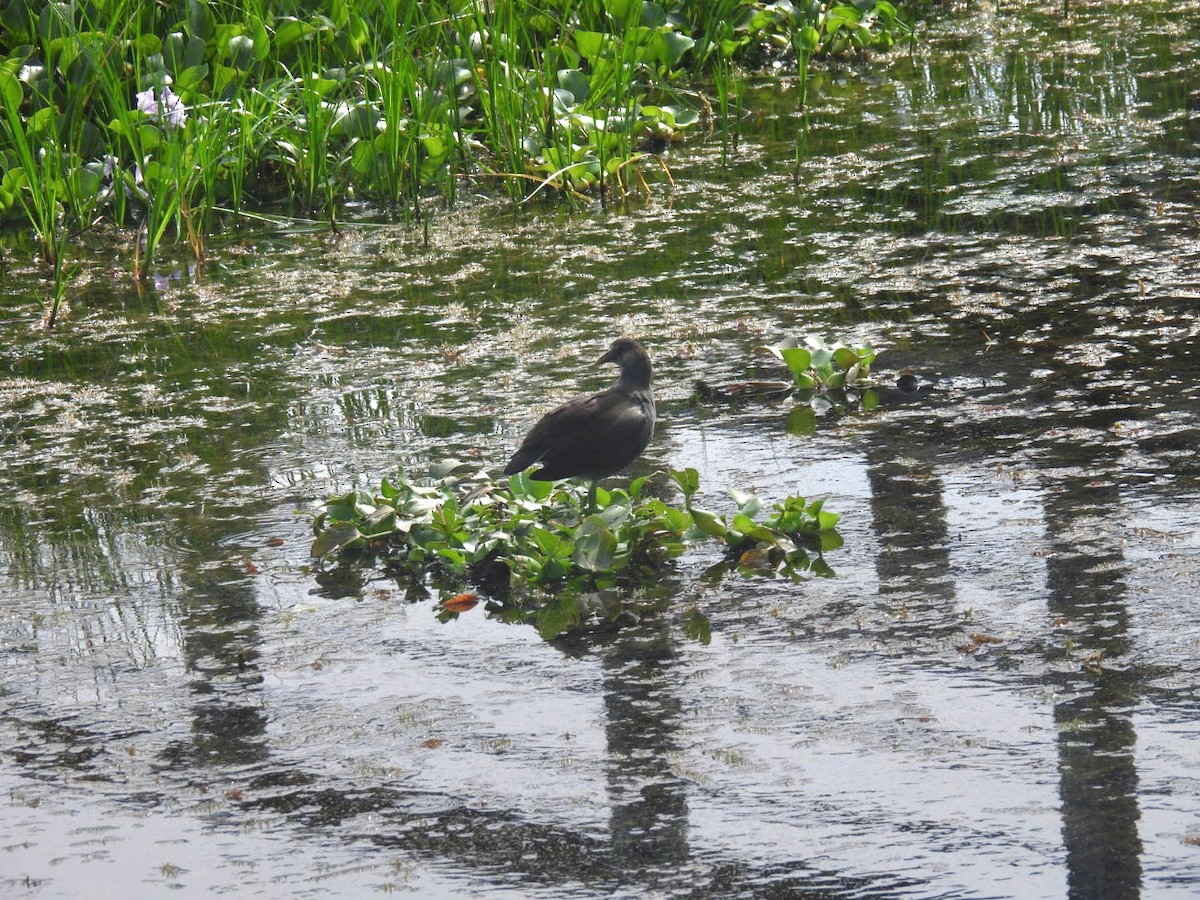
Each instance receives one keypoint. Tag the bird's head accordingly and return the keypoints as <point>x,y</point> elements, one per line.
<point>629,354</point>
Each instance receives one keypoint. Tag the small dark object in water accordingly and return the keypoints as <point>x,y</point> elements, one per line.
<point>598,435</point>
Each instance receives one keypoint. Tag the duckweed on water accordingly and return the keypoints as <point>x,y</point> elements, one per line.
<point>523,541</point>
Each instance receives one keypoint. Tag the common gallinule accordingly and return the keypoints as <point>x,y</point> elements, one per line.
<point>594,436</point>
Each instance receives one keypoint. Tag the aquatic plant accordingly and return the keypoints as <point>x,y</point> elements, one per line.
<point>524,541</point>
<point>818,366</point>
<point>157,116</point>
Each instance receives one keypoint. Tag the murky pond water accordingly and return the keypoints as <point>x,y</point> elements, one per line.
<point>996,696</point>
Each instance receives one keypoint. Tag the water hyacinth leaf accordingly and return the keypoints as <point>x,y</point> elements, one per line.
<point>11,91</point>
<point>830,541</point>
<point>290,30</point>
<point>447,467</point>
<point>381,521</point>
<point>797,359</point>
<point>453,559</point>
<point>653,15</point>
<point>334,539</point>
<point>807,40</point>
<point>669,47</point>
<point>241,51</point>
<point>615,514</point>
<point>827,521</point>
<point>688,480</point>
<point>550,544</point>
<point>201,20</point>
<point>753,530</point>
<point>595,546</point>
<point>845,357</point>
<point>677,520</point>
<point>576,82</point>
<point>822,359</point>
<point>683,116</point>
<point>191,77</point>
<point>354,120</point>
<point>709,522</point>
<point>622,11</point>
<point>748,504</point>
<point>590,44</point>
<point>260,37</point>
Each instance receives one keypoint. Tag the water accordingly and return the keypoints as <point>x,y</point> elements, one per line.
<point>996,695</point>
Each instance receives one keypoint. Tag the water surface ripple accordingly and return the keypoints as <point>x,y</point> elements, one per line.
<point>997,694</point>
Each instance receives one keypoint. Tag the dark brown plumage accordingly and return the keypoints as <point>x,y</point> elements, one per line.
<point>597,435</point>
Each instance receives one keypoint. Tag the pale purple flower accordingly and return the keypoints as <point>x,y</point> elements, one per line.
<point>169,108</point>
<point>173,107</point>
<point>146,102</point>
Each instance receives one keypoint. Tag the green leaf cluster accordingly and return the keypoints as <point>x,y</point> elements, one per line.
<point>818,366</point>
<point>523,541</point>
<point>381,101</point>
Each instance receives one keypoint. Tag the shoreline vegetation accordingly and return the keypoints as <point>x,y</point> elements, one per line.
<point>166,121</point>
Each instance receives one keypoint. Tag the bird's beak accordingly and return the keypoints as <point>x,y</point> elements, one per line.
<point>607,357</point>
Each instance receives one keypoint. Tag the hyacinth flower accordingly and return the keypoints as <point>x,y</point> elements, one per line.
<point>161,166</point>
<point>168,108</point>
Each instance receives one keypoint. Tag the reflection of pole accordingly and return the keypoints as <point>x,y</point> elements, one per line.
<point>1097,771</point>
<point>909,515</point>
<point>650,813</point>
<point>219,635</point>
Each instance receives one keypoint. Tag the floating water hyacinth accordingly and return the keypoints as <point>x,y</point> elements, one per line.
<point>169,108</point>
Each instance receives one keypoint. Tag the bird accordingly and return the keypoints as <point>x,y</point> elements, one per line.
<point>596,435</point>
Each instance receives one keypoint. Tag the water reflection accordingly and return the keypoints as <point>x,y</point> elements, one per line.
<point>996,693</point>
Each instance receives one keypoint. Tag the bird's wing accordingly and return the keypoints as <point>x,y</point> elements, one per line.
<point>565,419</point>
